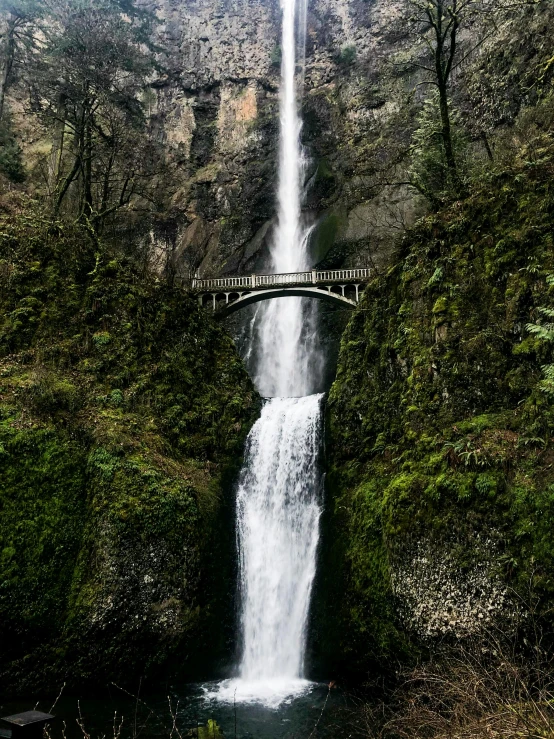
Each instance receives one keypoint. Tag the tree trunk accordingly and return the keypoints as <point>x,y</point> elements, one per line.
<point>444,59</point>
<point>488,149</point>
<point>7,59</point>
<point>56,156</point>
<point>87,183</point>
<point>447,136</point>
<point>64,187</point>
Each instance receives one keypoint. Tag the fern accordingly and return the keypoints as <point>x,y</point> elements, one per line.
<point>547,385</point>
<point>545,332</point>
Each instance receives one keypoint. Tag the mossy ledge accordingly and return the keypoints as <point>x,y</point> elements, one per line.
<point>122,421</point>
<point>440,514</point>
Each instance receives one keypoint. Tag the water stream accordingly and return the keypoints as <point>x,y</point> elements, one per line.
<point>284,334</point>
<point>278,513</point>
<point>278,498</point>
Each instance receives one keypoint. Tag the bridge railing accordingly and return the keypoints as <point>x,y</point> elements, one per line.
<point>345,275</point>
<point>252,282</point>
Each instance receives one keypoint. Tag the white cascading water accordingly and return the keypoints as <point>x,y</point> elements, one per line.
<point>278,506</point>
<point>278,529</point>
<point>284,348</point>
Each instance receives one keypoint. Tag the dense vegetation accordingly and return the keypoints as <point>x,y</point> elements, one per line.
<point>441,424</point>
<point>123,413</point>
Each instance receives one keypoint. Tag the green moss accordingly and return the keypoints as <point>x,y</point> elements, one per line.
<point>124,414</point>
<point>41,524</point>
<point>437,424</point>
<point>441,305</point>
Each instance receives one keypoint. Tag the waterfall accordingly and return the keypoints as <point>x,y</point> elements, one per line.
<point>278,528</point>
<point>278,496</point>
<point>285,333</point>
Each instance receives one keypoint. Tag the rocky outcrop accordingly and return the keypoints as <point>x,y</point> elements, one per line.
<point>218,112</point>
<point>217,109</point>
<point>438,598</point>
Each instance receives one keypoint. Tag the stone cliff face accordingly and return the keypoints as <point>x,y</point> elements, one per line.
<point>218,111</point>
<point>363,90</point>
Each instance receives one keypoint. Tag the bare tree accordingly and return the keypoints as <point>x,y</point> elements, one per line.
<point>438,24</point>
<point>87,82</point>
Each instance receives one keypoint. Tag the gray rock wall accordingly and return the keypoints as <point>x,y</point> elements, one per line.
<point>218,111</point>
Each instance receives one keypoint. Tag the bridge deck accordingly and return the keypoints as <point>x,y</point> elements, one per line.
<point>293,279</point>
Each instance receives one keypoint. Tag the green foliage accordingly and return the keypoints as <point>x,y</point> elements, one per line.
<point>276,56</point>
<point>439,429</point>
<point>429,170</point>
<point>11,160</point>
<point>46,392</point>
<point>125,411</point>
<point>545,332</point>
<point>347,55</point>
<point>42,494</point>
<point>210,731</point>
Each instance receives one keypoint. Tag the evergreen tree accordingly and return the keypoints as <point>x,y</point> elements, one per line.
<point>438,23</point>
<point>429,171</point>
<point>11,160</point>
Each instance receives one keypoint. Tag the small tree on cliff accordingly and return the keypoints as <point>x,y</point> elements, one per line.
<point>437,25</point>
<point>18,19</point>
<point>88,83</point>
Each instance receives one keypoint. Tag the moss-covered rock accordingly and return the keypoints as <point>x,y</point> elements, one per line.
<point>440,438</point>
<point>123,414</point>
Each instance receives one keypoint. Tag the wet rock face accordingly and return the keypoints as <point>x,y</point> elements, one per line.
<point>211,42</point>
<point>218,111</point>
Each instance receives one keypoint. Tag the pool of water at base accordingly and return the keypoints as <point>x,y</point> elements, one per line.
<point>317,711</point>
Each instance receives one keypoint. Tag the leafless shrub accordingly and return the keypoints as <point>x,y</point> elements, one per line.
<point>479,691</point>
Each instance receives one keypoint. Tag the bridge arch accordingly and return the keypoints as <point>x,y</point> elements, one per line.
<point>257,296</point>
<point>225,295</point>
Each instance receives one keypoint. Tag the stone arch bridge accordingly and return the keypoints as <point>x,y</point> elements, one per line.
<point>225,295</point>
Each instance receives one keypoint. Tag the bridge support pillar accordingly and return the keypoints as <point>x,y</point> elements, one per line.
<point>314,277</point>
